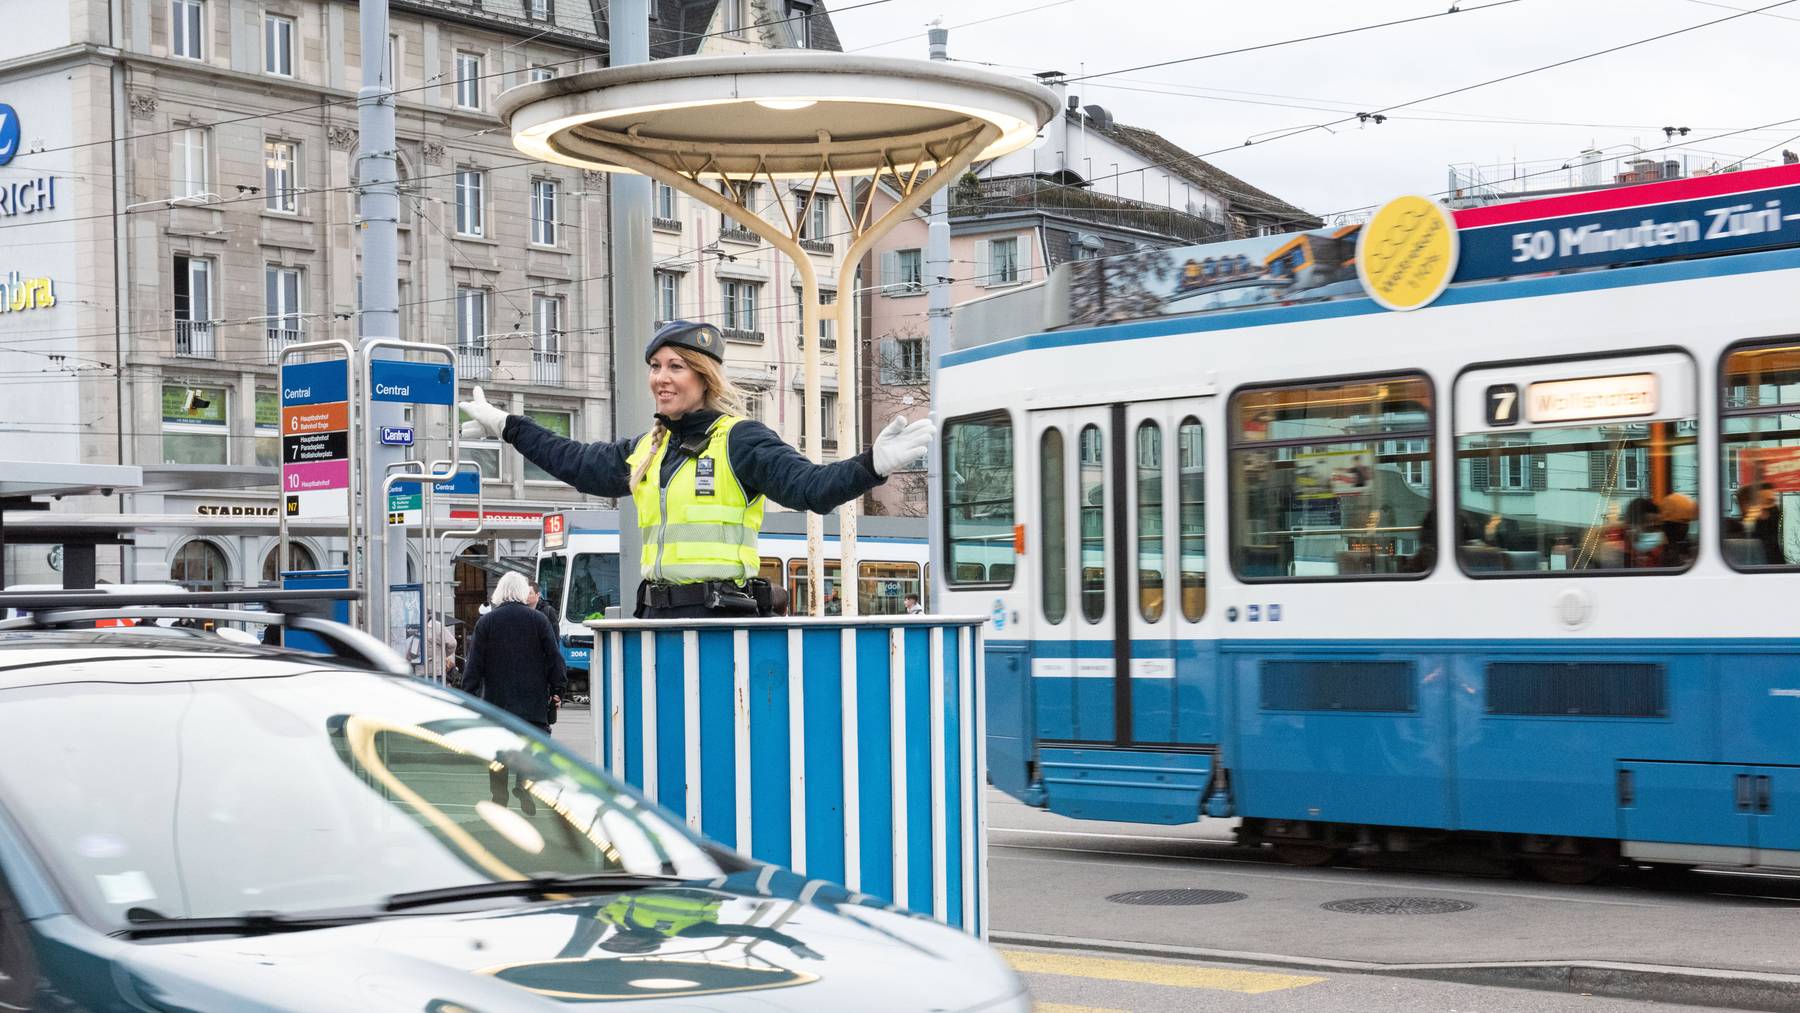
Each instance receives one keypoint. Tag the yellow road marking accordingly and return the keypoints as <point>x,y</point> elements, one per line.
<point>1149,973</point>
<point>1057,1007</point>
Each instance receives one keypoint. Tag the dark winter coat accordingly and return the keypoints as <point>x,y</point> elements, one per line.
<point>513,662</point>
<point>764,464</point>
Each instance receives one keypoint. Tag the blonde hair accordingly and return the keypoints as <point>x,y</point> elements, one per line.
<point>720,395</point>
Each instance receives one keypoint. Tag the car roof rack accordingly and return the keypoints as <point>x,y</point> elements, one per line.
<point>306,610</point>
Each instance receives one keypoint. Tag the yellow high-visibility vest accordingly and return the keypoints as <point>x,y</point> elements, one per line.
<point>700,526</point>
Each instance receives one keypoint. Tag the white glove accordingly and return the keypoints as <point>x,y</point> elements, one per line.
<point>901,445</point>
<point>485,421</point>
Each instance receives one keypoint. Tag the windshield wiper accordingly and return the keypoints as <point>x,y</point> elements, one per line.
<point>145,923</point>
<point>531,886</point>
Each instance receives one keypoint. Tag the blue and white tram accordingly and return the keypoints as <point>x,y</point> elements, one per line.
<point>1520,564</point>
<point>581,578</point>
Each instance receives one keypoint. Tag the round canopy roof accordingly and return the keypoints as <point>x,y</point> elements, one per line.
<point>786,114</point>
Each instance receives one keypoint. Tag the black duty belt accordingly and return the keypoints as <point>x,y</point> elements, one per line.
<point>665,596</point>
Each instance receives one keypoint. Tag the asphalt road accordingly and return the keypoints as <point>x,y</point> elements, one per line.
<point>1265,938</point>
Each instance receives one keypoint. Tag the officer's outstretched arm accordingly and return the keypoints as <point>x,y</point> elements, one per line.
<point>598,469</point>
<point>770,467</point>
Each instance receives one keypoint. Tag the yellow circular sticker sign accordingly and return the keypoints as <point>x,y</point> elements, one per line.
<point>1406,254</point>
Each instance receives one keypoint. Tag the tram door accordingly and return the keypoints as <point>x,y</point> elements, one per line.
<point>1121,543</point>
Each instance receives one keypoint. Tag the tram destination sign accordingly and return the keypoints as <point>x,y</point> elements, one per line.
<point>1730,212</point>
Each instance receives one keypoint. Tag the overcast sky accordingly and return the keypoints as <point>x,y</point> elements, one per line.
<point>1715,79</point>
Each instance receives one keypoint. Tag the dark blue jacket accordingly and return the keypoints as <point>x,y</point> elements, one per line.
<point>761,461</point>
<point>514,662</point>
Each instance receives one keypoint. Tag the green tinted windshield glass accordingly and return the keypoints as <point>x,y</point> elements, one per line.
<point>326,790</point>
<point>593,586</point>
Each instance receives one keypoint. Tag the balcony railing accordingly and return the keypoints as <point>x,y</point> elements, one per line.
<point>733,233</point>
<point>1039,193</point>
<point>826,341</point>
<point>194,339</point>
<point>824,246</point>
<point>661,224</point>
<point>280,338</point>
<point>472,362</point>
<point>546,369</point>
<point>741,334</point>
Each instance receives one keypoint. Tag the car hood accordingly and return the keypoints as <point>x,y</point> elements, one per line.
<point>690,947</point>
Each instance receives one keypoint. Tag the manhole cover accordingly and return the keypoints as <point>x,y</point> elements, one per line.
<point>1398,906</point>
<point>1174,897</point>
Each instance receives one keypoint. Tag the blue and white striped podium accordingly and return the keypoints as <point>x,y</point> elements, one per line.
<point>845,749</point>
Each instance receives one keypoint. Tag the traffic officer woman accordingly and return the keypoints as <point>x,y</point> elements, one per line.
<point>700,476</point>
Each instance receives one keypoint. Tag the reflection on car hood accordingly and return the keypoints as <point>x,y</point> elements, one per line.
<point>759,940</point>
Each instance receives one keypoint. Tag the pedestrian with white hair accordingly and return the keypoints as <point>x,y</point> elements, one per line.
<point>513,661</point>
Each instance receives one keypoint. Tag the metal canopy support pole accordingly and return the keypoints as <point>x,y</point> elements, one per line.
<point>633,311</point>
<point>937,320</point>
<point>380,310</point>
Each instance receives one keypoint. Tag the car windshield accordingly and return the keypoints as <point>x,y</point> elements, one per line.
<point>318,791</point>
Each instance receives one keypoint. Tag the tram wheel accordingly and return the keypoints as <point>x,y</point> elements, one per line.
<point>1563,871</point>
<point>1306,855</point>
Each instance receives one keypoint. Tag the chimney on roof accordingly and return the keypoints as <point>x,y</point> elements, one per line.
<point>938,38</point>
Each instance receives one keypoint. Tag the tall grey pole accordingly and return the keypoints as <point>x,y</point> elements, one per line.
<point>937,315</point>
<point>632,308</point>
<point>375,175</point>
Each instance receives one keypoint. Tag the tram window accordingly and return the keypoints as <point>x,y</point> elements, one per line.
<point>801,589</point>
<point>1760,452</point>
<point>593,586</point>
<point>1576,468</point>
<point>1151,583</point>
<point>881,588</point>
<point>1092,475</point>
<point>1191,487</point>
<point>770,570</point>
<point>551,575</point>
<point>1333,480</point>
<point>978,500</point>
<point>1054,521</point>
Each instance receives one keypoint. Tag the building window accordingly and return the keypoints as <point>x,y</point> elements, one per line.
<point>281,176</point>
<point>731,16</point>
<point>999,262</point>
<point>668,296</point>
<point>186,29</point>
<point>903,361</point>
<point>281,308</point>
<point>812,212</point>
<point>799,18</point>
<point>665,201</point>
<point>471,190</point>
<point>539,10</point>
<point>730,228</point>
<point>189,173</point>
<point>278,45</point>
<point>471,333</point>
<point>193,307</point>
<point>300,559</point>
<point>468,80</point>
<point>543,212</point>
<point>393,57</point>
<point>902,272</point>
<point>539,72</point>
<point>978,500</point>
<point>755,402</point>
<point>546,340</point>
<point>195,425</point>
<point>560,423</point>
<point>199,565</point>
<point>827,315</point>
<point>740,305</point>
<point>828,420</point>
<point>268,429</point>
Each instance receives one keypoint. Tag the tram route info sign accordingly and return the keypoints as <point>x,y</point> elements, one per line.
<point>1699,216</point>
<point>405,507</point>
<point>1407,253</point>
<point>1728,212</point>
<point>315,438</point>
<point>556,531</point>
<point>412,382</point>
<point>463,483</point>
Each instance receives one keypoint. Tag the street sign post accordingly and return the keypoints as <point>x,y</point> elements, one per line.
<point>318,458</point>
<point>404,381</point>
